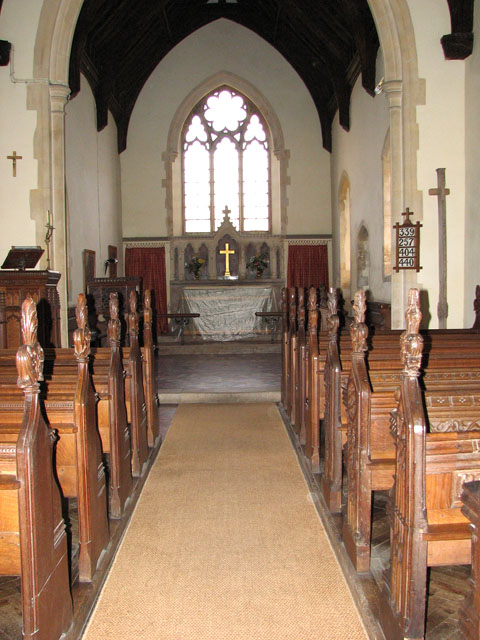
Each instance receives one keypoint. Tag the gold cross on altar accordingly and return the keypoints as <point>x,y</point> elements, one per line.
<point>14,159</point>
<point>227,253</point>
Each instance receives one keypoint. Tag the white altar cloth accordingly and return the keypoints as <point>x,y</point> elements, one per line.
<point>228,313</point>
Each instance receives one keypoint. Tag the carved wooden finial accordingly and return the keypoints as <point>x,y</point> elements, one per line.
<point>476,307</point>
<point>292,299</point>
<point>301,307</point>
<point>312,311</point>
<point>30,353</point>
<point>114,327</point>
<point>82,335</point>
<point>147,309</point>
<point>358,328</point>
<point>411,342</point>
<point>333,321</point>
<point>133,316</point>
<point>29,321</point>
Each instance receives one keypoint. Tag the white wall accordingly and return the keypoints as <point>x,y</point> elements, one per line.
<point>93,188</point>
<point>472,190</point>
<point>441,128</point>
<point>17,127</point>
<point>358,153</point>
<point>223,46</point>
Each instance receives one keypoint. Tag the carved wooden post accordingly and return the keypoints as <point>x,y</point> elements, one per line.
<point>476,308</point>
<point>120,449</point>
<point>292,330</point>
<point>356,531</point>
<point>285,351</point>
<point>408,522</point>
<point>148,371</point>
<point>312,415</point>
<point>332,475</point>
<point>138,409</point>
<point>300,367</point>
<point>92,496</point>
<point>470,608</point>
<point>46,600</point>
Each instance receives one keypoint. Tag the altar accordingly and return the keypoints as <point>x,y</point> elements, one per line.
<point>228,312</point>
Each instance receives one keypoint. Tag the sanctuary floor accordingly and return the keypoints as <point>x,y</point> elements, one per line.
<point>261,373</point>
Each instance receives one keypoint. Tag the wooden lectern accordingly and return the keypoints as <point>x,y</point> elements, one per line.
<point>15,284</point>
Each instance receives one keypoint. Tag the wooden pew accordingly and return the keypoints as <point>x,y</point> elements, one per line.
<point>300,354</point>
<point>71,411</point>
<point>135,394</point>
<point>312,385</point>
<point>370,448</point>
<point>428,527</point>
<point>291,348</point>
<point>285,347</point>
<point>33,543</point>
<point>331,480</point>
<point>112,417</point>
<point>469,613</point>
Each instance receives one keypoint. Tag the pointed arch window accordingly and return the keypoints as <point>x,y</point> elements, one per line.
<point>226,163</point>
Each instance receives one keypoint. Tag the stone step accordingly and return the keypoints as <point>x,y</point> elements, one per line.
<point>165,347</point>
<point>179,397</point>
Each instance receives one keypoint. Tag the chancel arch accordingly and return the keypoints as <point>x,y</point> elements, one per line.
<point>49,90</point>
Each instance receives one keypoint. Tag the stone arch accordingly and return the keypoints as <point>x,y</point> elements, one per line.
<point>49,93</point>
<point>279,160</point>
<point>344,239</point>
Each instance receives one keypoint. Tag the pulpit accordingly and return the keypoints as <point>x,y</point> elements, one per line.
<point>14,287</point>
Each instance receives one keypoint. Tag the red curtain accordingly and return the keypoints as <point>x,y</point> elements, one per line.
<point>149,264</point>
<point>307,265</point>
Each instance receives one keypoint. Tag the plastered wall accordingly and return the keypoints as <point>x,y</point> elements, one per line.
<point>472,182</point>
<point>358,154</point>
<point>17,127</point>
<point>223,46</point>
<point>93,188</point>
<point>441,144</point>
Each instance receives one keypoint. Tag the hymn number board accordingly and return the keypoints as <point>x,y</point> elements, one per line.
<point>408,243</point>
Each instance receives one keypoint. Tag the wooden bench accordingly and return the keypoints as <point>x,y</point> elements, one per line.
<point>33,543</point>
<point>437,442</point>
<point>71,411</point>
<point>370,447</point>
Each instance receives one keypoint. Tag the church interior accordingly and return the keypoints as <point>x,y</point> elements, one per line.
<point>238,268</point>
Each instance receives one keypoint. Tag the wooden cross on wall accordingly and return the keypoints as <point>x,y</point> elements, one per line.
<point>14,159</point>
<point>442,192</point>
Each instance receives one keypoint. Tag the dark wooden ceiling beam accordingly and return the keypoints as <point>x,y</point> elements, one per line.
<point>118,44</point>
<point>458,44</point>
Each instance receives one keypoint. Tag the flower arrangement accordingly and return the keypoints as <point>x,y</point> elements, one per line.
<point>195,265</point>
<point>258,264</point>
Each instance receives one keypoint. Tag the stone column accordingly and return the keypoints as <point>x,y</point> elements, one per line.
<point>403,280</point>
<point>58,98</point>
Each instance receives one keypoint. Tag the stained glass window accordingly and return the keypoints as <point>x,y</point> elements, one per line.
<point>225,164</point>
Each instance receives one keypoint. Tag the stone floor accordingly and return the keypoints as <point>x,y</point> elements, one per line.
<point>227,373</point>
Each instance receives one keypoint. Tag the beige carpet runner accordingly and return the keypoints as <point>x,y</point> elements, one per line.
<point>225,542</point>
